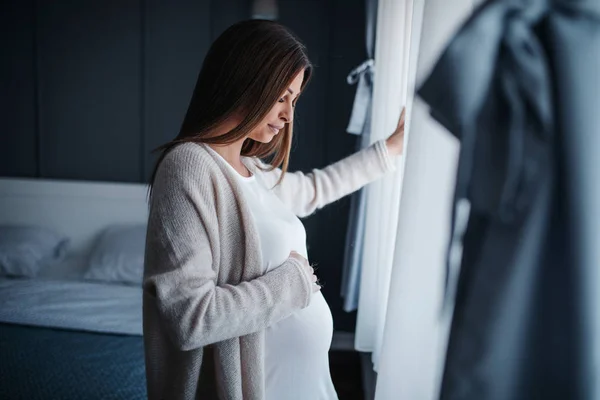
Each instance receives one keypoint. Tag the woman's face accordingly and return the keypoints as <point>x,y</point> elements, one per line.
<point>282,113</point>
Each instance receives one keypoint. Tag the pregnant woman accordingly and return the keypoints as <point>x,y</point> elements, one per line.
<point>232,308</point>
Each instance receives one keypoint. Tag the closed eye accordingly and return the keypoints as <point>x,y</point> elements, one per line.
<point>282,100</point>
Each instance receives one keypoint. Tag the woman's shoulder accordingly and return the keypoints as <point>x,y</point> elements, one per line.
<point>193,160</point>
<point>186,164</point>
<point>189,159</point>
<point>187,154</point>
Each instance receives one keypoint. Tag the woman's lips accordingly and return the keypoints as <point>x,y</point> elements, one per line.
<point>275,129</point>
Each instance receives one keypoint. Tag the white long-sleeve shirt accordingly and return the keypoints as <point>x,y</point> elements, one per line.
<point>296,348</point>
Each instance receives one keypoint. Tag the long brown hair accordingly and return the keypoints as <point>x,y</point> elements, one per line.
<point>244,73</point>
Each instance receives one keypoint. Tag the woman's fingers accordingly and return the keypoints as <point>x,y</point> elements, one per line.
<point>401,120</point>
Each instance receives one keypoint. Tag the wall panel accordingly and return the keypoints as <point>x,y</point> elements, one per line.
<point>17,99</point>
<point>89,76</point>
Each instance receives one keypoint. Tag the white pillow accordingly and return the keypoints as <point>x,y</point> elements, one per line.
<point>118,255</point>
<point>25,250</point>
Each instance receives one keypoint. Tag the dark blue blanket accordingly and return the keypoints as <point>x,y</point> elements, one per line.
<point>43,363</point>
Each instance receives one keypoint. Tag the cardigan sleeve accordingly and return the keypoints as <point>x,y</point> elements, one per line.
<point>181,280</point>
<point>306,193</point>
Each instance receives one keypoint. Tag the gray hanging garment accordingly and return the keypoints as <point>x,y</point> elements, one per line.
<point>519,86</point>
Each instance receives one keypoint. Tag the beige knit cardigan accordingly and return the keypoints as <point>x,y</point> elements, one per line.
<point>206,302</point>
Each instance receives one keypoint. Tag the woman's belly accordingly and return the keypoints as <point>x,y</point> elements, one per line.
<point>305,334</point>
<point>296,352</point>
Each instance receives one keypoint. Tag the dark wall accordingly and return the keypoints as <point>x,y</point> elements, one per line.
<point>89,88</point>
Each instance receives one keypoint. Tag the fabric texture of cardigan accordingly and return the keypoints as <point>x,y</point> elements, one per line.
<point>206,302</point>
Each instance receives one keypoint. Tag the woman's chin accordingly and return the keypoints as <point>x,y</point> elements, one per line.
<point>264,138</point>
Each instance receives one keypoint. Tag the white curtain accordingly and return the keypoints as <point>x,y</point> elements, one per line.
<point>394,20</point>
<point>408,214</point>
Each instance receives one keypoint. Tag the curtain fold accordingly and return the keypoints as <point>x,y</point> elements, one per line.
<point>519,86</point>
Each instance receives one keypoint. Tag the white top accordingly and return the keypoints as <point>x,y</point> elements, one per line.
<point>296,348</point>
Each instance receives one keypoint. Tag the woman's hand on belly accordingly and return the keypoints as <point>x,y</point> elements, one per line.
<point>315,287</point>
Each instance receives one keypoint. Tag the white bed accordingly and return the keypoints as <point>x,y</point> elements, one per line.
<point>58,297</point>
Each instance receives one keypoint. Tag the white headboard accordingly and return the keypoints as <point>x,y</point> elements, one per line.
<point>78,209</point>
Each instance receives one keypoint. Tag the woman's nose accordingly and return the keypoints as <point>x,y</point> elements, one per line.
<point>287,114</point>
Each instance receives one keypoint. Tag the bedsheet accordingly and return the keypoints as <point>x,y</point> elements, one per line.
<point>76,305</point>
